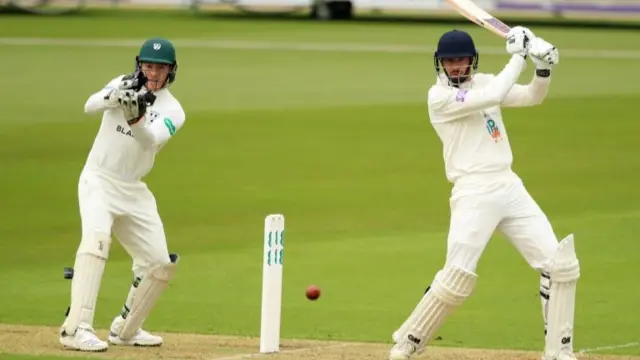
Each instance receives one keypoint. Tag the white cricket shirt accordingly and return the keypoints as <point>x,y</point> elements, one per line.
<point>469,122</point>
<point>127,152</point>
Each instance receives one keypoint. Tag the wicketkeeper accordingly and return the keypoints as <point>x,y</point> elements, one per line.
<point>487,195</point>
<point>140,115</point>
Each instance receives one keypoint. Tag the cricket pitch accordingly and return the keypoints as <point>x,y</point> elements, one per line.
<point>42,340</point>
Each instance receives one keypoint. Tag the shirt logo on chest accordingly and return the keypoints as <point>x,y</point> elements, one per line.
<point>122,130</point>
<point>153,115</point>
<point>461,95</point>
<point>493,129</point>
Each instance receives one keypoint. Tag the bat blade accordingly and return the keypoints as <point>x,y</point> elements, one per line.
<point>474,13</point>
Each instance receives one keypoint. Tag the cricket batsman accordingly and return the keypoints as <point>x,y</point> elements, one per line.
<point>465,111</point>
<point>140,115</point>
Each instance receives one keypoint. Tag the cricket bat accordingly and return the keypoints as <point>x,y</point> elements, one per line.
<point>473,12</point>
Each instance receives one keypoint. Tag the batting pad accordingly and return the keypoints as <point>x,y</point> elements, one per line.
<point>451,286</point>
<point>87,277</point>
<point>564,272</point>
<point>146,296</point>
<point>545,287</point>
<point>399,334</point>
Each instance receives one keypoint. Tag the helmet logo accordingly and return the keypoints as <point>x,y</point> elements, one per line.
<point>157,46</point>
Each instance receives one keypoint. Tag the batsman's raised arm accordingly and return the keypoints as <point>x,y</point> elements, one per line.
<point>455,99</point>
<point>448,104</point>
<point>528,95</point>
<point>544,55</point>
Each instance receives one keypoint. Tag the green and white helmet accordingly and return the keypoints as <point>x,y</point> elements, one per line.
<point>159,51</point>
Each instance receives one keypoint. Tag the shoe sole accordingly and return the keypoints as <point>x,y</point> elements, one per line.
<point>84,350</point>
<point>136,344</point>
<point>120,343</point>
<point>75,348</point>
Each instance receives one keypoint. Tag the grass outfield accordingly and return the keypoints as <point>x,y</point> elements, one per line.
<point>325,123</point>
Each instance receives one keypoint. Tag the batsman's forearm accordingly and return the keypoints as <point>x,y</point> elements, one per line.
<point>505,80</point>
<point>98,102</point>
<point>538,89</point>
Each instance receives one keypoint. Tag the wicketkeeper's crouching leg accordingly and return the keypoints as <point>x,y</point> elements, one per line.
<point>126,328</point>
<point>451,286</point>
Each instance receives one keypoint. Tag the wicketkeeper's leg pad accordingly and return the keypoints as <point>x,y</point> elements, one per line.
<point>146,295</point>
<point>564,272</point>
<point>451,286</point>
<point>88,270</point>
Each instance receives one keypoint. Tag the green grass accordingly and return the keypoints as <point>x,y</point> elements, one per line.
<point>341,144</point>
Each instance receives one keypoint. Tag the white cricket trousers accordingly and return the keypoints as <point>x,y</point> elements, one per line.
<point>127,210</point>
<point>482,204</point>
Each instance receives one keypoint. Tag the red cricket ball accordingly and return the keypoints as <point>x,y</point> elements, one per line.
<point>313,292</point>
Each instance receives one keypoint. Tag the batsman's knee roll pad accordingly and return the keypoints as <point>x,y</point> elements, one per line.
<point>565,267</point>
<point>453,285</point>
<point>96,243</point>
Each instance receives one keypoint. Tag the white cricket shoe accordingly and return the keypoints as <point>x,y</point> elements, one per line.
<point>84,339</point>
<point>402,351</point>
<point>562,356</point>
<point>141,338</point>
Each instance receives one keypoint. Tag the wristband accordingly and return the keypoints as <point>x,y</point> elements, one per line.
<point>543,73</point>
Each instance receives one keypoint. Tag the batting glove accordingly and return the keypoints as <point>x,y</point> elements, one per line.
<point>543,54</point>
<point>518,41</point>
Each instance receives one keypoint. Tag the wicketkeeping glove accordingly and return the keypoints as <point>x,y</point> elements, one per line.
<point>134,81</point>
<point>134,104</point>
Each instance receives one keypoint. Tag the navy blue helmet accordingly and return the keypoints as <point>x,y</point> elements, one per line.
<point>456,44</point>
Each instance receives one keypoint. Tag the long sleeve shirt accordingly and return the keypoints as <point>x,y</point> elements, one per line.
<point>468,120</point>
<point>127,152</point>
